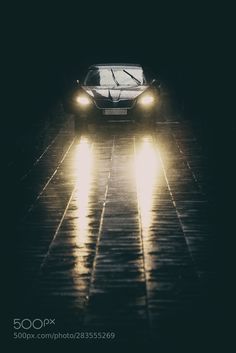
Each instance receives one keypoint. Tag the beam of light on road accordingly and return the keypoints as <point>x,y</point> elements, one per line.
<point>147,169</point>
<point>84,162</point>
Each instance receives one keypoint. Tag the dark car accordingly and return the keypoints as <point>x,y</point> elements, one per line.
<point>116,92</point>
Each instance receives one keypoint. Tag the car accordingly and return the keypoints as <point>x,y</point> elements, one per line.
<point>116,92</point>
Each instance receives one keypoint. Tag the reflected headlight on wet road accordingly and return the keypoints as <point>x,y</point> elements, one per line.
<point>82,100</point>
<point>146,100</point>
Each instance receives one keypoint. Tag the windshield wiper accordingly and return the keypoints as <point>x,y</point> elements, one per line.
<point>134,78</point>
<point>114,78</point>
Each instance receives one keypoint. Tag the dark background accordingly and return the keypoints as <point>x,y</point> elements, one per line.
<point>184,44</point>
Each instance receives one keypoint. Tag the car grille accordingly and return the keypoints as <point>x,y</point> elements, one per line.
<point>103,104</point>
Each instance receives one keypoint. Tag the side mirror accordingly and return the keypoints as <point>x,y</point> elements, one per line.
<point>156,83</point>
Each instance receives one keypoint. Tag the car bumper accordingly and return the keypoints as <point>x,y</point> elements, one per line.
<point>93,114</point>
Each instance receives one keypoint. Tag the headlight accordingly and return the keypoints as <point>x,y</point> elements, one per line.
<point>146,99</point>
<point>83,100</point>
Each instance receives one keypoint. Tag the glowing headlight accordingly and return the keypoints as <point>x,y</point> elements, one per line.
<point>146,100</point>
<point>83,100</point>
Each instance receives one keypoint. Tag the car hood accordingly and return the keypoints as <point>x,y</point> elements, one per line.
<point>114,94</point>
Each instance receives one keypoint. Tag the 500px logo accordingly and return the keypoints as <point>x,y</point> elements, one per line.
<point>36,324</point>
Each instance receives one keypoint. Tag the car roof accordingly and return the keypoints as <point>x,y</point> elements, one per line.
<point>96,66</point>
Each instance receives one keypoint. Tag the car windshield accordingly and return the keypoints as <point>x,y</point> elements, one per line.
<point>112,76</point>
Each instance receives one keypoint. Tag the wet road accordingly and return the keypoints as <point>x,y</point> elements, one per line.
<point>114,231</point>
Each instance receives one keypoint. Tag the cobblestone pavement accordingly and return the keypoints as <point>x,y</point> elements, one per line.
<point>114,231</point>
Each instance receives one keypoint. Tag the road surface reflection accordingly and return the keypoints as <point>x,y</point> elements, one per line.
<point>84,165</point>
<point>147,169</point>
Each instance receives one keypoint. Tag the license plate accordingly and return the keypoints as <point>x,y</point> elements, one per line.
<point>115,111</point>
